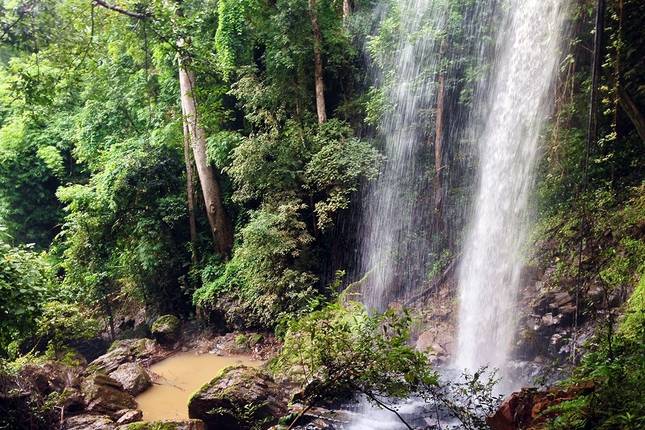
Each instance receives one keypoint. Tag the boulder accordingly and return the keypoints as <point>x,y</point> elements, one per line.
<point>240,398</point>
<point>133,377</point>
<point>88,422</point>
<point>128,416</point>
<point>49,377</point>
<point>425,341</point>
<point>123,351</point>
<point>104,395</point>
<point>166,329</point>
<point>165,425</point>
<point>527,409</point>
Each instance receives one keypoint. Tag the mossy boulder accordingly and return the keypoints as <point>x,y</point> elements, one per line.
<point>88,422</point>
<point>123,351</point>
<point>166,329</point>
<point>240,398</point>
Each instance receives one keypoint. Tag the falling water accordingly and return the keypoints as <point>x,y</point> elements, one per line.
<point>394,213</point>
<point>513,107</point>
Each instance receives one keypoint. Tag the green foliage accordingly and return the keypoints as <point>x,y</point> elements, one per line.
<point>25,283</point>
<point>264,280</point>
<point>60,322</point>
<point>340,350</point>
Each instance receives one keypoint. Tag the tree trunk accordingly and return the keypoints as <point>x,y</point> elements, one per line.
<point>190,192</point>
<point>217,218</point>
<point>318,68</point>
<point>438,148</point>
<point>347,9</point>
<point>632,112</point>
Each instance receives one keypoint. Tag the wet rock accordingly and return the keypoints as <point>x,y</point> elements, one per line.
<point>425,341</point>
<point>239,399</point>
<point>527,409</point>
<point>49,377</point>
<point>166,329</point>
<point>104,395</point>
<point>560,299</point>
<point>550,320</point>
<point>123,351</point>
<point>72,400</point>
<point>129,416</point>
<point>89,422</point>
<point>165,425</point>
<point>133,377</point>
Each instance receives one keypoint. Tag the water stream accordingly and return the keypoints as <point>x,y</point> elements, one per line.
<point>513,107</point>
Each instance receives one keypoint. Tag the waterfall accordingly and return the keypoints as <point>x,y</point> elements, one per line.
<point>513,107</point>
<point>393,214</point>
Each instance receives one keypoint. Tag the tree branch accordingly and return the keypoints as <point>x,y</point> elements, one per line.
<point>122,11</point>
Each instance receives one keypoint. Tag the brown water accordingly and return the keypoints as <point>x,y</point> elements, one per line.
<point>180,376</point>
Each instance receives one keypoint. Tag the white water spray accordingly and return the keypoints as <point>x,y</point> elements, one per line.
<point>393,233</point>
<point>513,107</point>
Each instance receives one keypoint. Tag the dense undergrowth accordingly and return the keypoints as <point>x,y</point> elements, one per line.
<point>95,180</point>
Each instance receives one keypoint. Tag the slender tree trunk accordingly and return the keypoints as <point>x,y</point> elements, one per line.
<point>630,108</point>
<point>438,148</point>
<point>190,192</point>
<point>217,218</point>
<point>318,67</point>
<point>347,9</point>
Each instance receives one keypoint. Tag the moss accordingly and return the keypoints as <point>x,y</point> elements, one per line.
<point>241,340</point>
<point>254,339</point>
<point>165,324</point>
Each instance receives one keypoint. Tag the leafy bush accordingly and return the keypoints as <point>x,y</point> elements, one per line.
<point>339,350</point>
<point>25,282</point>
<point>63,322</point>
<point>265,280</point>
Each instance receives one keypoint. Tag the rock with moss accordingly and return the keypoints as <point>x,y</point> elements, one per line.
<point>123,351</point>
<point>88,422</point>
<point>190,424</point>
<point>133,377</point>
<point>240,398</point>
<point>104,395</point>
<point>166,329</point>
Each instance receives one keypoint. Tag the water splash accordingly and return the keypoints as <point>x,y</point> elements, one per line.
<point>513,107</point>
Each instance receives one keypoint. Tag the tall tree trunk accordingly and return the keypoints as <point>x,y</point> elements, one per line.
<point>438,146</point>
<point>318,68</point>
<point>190,192</point>
<point>347,9</point>
<point>217,218</point>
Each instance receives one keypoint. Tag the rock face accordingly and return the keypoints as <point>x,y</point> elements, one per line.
<point>133,377</point>
<point>129,416</point>
<point>166,329</point>
<point>89,422</point>
<point>104,395</point>
<point>123,351</point>
<point>165,425</point>
<point>525,409</point>
<point>240,398</point>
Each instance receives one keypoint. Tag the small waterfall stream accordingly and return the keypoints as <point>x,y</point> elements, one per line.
<point>513,107</point>
<point>393,216</point>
